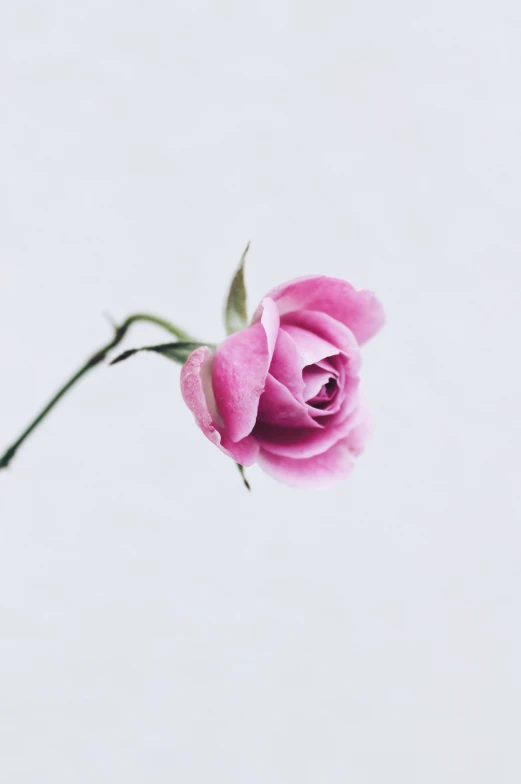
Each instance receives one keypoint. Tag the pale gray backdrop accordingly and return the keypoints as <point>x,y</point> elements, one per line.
<point>157,623</point>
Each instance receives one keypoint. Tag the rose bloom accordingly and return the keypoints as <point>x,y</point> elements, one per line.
<point>284,392</point>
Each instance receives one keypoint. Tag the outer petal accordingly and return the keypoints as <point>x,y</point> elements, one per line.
<point>196,389</point>
<point>360,311</point>
<point>239,372</point>
<point>318,471</point>
<point>278,406</point>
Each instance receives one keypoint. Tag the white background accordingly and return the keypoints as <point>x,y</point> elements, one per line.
<point>157,623</point>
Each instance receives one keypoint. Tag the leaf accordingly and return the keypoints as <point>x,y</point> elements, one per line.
<point>235,314</point>
<point>177,352</point>
<point>241,471</point>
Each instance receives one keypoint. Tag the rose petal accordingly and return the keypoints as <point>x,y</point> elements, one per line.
<point>304,442</point>
<point>360,311</point>
<point>346,399</point>
<point>197,392</point>
<point>315,378</point>
<point>311,348</point>
<point>327,328</point>
<point>239,372</point>
<point>277,406</point>
<point>196,389</point>
<point>286,365</point>
<point>319,471</point>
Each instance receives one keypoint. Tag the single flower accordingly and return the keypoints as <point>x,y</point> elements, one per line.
<point>283,392</point>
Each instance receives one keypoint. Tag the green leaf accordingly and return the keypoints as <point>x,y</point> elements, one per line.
<point>235,314</point>
<point>177,352</point>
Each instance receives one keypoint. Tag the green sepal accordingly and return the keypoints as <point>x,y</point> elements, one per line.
<point>177,352</point>
<point>243,475</point>
<point>235,314</point>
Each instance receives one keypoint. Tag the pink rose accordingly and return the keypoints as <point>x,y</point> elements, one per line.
<point>284,391</point>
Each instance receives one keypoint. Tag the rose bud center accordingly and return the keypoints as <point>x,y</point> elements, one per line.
<point>321,386</point>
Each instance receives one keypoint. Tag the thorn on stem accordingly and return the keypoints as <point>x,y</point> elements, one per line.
<point>111,321</point>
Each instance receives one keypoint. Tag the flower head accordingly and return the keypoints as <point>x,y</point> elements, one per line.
<point>284,391</point>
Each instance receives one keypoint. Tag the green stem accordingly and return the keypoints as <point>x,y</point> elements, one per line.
<point>95,359</point>
<point>180,333</point>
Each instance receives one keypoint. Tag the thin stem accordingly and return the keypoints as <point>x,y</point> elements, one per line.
<point>95,359</point>
<point>181,334</point>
